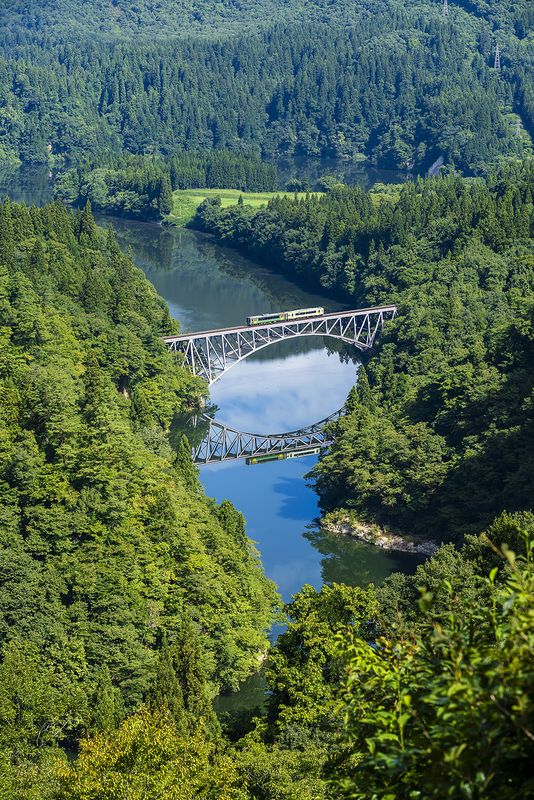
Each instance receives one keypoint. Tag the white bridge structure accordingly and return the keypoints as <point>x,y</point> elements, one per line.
<point>223,443</point>
<point>209,354</point>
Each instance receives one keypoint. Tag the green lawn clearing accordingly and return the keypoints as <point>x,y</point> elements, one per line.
<point>186,201</point>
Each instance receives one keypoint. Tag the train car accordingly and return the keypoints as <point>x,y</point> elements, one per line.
<point>263,459</point>
<point>304,312</point>
<point>282,316</point>
<point>309,451</point>
<point>266,319</point>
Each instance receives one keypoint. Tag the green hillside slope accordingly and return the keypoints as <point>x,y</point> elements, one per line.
<point>398,83</point>
<point>106,538</point>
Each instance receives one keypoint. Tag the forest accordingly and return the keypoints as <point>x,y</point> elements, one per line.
<point>129,600</point>
<point>142,186</point>
<point>109,548</point>
<point>444,403</point>
<point>396,83</point>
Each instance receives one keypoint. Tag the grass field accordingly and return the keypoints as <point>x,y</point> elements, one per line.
<point>186,201</point>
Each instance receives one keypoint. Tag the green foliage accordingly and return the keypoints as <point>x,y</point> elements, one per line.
<point>419,688</point>
<point>444,403</point>
<point>302,671</point>
<point>142,186</point>
<point>106,539</point>
<point>394,82</point>
<point>447,713</point>
<point>148,757</point>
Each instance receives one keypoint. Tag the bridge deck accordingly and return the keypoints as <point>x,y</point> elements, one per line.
<point>240,329</point>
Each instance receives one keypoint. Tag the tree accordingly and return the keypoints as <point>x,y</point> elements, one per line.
<point>87,230</point>
<point>149,757</point>
<point>166,693</point>
<point>185,464</point>
<point>447,713</point>
<point>105,706</point>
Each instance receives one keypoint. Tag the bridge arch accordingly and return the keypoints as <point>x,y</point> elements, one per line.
<point>210,354</point>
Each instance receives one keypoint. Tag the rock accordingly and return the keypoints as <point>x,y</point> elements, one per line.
<point>374,534</point>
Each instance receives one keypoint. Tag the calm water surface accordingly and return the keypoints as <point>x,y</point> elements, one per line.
<point>282,388</point>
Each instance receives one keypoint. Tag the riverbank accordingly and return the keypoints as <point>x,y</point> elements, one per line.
<point>343,523</point>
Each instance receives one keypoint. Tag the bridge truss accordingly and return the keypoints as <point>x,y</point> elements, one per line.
<point>209,354</point>
<point>223,443</point>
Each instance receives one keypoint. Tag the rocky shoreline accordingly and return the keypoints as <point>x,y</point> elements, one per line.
<point>345,525</point>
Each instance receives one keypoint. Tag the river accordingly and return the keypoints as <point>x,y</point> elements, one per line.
<point>282,388</point>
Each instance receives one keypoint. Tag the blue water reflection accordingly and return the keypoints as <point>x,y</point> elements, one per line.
<point>278,389</point>
<point>278,507</point>
<point>285,393</point>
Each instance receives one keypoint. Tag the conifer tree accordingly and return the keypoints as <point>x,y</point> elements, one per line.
<point>7,240</point>
<point>363,389</point>
<point>189,666</point>
<point>166,690</point>
<point>88,232</point>
<point>36,262</point>
<point>105,715</point>
<point>185,463</point>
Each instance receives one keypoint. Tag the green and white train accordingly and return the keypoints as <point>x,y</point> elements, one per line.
<point>283,316</point>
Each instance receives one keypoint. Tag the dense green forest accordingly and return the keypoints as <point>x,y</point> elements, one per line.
<point>142,186</point>
<point>420,687</point>
<point>445,402</point>
<point>108,547</point>
<point>128,599</point>
<point>395,82</point>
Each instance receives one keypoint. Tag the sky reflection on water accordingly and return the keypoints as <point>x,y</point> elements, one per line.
<point>283,394</point>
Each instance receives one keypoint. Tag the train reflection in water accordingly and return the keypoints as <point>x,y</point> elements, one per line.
<point>299,453</point>
<point>222,443</point>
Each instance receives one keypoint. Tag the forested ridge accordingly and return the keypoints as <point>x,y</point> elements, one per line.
<point>128,599</point>
<point>444,404</point>
<point>394,82</point>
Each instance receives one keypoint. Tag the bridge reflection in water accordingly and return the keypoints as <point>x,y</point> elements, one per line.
<point>223,443</point>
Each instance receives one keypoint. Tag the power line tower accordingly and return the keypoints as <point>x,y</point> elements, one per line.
<point>497,63</point>
<point>445,8</point>
<point>518,127</point>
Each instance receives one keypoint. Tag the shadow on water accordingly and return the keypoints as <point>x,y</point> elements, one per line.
<point>290,490</point>
<point>32,185</point>
<point>236,710</point>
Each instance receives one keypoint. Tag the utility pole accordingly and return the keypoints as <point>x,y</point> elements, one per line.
<point>445,8</point>
<point>497,64</point>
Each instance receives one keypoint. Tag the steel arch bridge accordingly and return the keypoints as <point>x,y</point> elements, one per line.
<point>223,443</point>
<point>209,354</point>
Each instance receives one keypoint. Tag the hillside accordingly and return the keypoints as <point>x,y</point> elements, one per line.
<point>107,540</point>
<point>397,83</point>
<point>439,431</point>
<point>115,20</point>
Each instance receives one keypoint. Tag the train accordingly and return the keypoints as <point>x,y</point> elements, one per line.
<point>283,316</point>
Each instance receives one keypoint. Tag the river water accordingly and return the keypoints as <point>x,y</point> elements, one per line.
<point>282,388</point>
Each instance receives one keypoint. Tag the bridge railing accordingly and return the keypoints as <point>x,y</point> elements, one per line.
<point>223,443</point>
